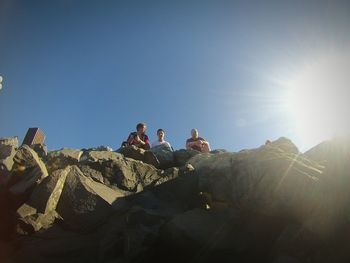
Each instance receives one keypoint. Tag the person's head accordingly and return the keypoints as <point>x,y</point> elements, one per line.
<point>160,134</point>
<point>194,133</point>
<point>141,127</point>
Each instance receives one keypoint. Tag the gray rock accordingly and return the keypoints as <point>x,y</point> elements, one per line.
<point>165,156</point>
<point>140,154</point>
<point>183,156</point>
<point>46,195</point>
<point>84,204</point>
<point>34,171</point>
<point>271,180</point>
<point>119,172</point>
<point>94,156</point>
<point>41,150</point>
<point>60,159</point>
<point>38,221</point>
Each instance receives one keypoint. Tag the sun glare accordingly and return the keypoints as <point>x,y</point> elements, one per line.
<point>319,99</point>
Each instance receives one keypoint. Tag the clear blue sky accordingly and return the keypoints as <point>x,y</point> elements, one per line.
<point>87,72</point>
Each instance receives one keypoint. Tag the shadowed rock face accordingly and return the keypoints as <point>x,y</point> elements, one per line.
<point>270,204</point>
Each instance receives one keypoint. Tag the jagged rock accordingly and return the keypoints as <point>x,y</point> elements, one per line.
<point>41,150</point>
<point>270,204</point>
<point>8,148</point>
<point>119,172</point>
<point>269,179</point>
<point>186,169</point>
<point>34,222</point>
<point>94,156</point>
<point>165,156</point>
<point>168,174</point>
<point>60,159</point>
<point>99,148</point>
<point>33,171</point>
<point>284,144</point>
<point>182,156</point>
<point>46,195</point>
<point>26,210</point>
<point>83,203</point>
<point>140,154</point>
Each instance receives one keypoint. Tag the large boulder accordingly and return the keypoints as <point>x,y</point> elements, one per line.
<point>83,203</point>
<point>116,171</point>
<point>165,156</point>
<point>29,171</point>
<point>140,154</point>
<point>270,180</point>
<point>183,156</point>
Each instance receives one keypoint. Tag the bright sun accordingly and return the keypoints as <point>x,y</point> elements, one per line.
<point>319,97</point>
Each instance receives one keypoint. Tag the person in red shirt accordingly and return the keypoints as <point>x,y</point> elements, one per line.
<point>139,138</point>
<point>197,143</point>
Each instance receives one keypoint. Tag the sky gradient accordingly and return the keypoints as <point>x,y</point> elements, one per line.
<point>86,72</point>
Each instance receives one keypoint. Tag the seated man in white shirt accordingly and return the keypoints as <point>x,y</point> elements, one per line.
<point>161,141</point>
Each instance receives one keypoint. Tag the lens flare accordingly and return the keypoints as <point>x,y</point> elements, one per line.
<point>318,99</point>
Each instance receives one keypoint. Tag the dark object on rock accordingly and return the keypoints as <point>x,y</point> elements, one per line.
<point>34,136</point>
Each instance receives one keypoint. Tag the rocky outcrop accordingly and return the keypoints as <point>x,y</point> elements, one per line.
<point>269,204</point>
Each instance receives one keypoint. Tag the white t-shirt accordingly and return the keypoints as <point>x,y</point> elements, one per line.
<point>157,143</point>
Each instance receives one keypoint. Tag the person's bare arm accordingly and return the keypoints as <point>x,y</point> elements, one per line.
<point>188,145</point>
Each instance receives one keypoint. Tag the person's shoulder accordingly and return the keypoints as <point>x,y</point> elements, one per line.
<point>189,140</point>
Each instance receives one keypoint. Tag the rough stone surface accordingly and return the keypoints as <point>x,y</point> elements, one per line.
<point>35,171</point>
<point>60,159</point>
<point>270,204</point>
<point>45,197</point>
<point>182,156</point>
<point>267,179</point>
<point>140,154</point>
<point>79,205</point>
<point>165,156</point>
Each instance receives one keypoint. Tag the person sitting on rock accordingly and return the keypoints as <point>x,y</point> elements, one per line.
<point>197,143</point>
<point>139,138</point>
<point>161,142</point>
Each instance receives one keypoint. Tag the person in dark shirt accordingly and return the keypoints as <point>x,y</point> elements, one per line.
<point>197,143</point>
<point>139,138</point>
